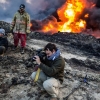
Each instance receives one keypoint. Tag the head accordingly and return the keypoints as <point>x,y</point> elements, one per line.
<point>2,32</point>
<point>22,8</point>
<point>50,49</point>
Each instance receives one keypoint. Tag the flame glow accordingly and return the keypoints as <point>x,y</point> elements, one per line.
<point>30,24</point>
<point>69,14</point>
<point>86,15</point>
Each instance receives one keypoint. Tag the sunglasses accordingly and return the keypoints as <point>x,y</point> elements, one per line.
<point>22,8</point>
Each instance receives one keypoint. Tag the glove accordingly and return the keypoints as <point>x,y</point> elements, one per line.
<point>28,31</point>
<point>27,34</point>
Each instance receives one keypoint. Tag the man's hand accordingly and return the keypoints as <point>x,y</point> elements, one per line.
<point>28,31</point>
<point>37,59</point>
<point>27,34</point>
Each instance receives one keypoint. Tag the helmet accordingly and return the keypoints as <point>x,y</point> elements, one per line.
<point>22,6</point>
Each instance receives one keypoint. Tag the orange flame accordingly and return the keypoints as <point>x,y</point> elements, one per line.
<point>30,24</point>
<point>72,10</point>
<point>86,15</point>
<point>69,14</point>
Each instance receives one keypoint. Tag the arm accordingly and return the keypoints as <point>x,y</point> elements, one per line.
<point>13,22</point>
<point>52,70</point>
<point>4,42</point>
<point>28,24</point>
<point>54,66</point>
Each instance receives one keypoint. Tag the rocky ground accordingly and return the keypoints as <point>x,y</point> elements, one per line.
<point>82,71</point>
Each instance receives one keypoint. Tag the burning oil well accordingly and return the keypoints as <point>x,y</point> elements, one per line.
<point>72,16</point>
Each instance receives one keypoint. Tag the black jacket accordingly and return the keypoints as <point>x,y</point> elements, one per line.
<point>4,42</point>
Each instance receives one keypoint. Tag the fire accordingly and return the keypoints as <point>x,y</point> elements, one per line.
<point>86,15</point>
<point>69,14</point>
<point>30,24</point>
<point>72,10</point>
<point>81,23</point>
<point>50,27</point>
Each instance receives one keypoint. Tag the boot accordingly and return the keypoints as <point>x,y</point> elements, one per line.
<point>14,48</point>
<point>22,50</point>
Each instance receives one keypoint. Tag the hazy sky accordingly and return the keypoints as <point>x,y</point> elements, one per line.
<point>38,9</point>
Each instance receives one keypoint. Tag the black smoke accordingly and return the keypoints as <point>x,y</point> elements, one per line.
<point>94,17</point>
<point>93,21</point>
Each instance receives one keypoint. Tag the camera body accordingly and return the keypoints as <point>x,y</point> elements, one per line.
<point>40,53</point>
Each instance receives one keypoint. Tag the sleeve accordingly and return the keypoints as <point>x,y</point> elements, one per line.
<point>13,21</point>
<point>51,70</point>
<point>4,42</point>
<point>28,22</point>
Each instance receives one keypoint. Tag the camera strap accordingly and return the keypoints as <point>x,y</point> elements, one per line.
<point>37,75</point>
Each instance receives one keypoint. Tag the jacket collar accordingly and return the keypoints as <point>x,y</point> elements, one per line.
<point>55,55</point>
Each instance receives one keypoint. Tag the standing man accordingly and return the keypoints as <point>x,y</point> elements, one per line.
<point>20,26</point>
<point>51,71</point>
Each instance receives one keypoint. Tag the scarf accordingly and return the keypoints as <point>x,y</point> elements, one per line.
<point>54,56</point>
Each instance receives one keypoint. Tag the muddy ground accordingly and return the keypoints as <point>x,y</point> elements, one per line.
<point>82,70</point>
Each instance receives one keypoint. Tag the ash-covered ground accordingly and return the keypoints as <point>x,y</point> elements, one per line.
<point>82,70</point>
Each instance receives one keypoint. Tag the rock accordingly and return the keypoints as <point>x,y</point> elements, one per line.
<point>96,96</point>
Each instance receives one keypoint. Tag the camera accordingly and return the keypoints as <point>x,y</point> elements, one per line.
<point>30,61</point>
<point>33,59</point>
<point>41,54</point>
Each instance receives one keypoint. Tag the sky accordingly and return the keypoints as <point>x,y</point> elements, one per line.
<point>38,9</point>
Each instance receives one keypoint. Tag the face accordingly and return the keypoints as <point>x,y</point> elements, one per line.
<point>49,53</point>
<point>1,34</point>
<point>22,10</point>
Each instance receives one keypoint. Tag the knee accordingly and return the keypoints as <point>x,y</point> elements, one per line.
<point>33,75</point>
<point>47,85</point>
